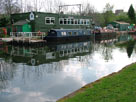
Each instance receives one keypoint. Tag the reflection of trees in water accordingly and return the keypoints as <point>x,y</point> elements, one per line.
<point>130,47</point>
<point>47,64</point>
<point>105,50</point>
<point>36,72</point>
<point>7,72</point>
<point>84,60</point>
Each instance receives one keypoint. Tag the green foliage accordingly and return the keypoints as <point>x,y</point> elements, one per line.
<point>98,18</point>
<point>131,14</point>
<point>122,17</point>
<point>119,87</point>
<point>108,7</point>
<point>108,14</point>
<point>4,21</point>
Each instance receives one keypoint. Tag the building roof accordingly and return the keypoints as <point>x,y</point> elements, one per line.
<point>50,13</point>
<point>121,22</point>
<point>21,22</point>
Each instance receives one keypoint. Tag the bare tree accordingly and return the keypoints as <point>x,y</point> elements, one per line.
<point>11,6</point>
<point>88,9</point>
<point>1,6</point>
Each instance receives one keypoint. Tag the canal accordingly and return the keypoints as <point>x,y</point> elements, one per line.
<point>47,73</point>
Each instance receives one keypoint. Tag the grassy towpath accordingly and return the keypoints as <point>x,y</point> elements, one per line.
<point>116,87</point>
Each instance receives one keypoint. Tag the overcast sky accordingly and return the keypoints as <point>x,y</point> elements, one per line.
<point>100,4</point>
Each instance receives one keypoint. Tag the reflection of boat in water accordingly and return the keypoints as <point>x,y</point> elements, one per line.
<point>105,38</point>
<point>131,32</point>
<point>47,54</point>
<point>104,34</point>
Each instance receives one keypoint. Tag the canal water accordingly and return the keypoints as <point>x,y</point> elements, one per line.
<point>47,73</point>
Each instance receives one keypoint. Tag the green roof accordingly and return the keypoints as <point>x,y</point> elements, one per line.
<point>21,22</point>
<point>121,22</point>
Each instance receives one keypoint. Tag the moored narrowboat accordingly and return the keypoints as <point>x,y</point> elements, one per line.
<point>64,35</point>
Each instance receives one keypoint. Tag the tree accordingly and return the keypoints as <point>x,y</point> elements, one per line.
<point>123,17</point>
<point>108,14</point>
<point>131,14</point>
<point>88,9</point>
<point>9,6</point>
<point>4,21</point>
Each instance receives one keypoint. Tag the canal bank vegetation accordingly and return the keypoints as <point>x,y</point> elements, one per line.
<point>117,87</point>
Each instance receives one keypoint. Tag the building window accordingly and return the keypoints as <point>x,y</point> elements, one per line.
<point>49,20</point>
<point>69,21</point>
<point>72,21</point>
<point>87,22</point>
<point>81,21</point>
<point>76,21</point>
<point>61,20</point>
<point>84,21</point>
<point>52,20</point>
<point>31,16</point>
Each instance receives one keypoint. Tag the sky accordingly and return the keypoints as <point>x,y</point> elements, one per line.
<point>100,4</point>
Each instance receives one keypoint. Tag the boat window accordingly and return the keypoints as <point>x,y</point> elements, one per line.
<point>75,33</point>
<point>53,32</point>
<point>63,33</point>
<point>49,20</point>
<point>70,33</point>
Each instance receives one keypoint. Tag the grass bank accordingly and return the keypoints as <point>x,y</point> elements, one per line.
<point>117,87</point>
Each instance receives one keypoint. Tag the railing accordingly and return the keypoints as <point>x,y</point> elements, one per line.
<point>27,35</point>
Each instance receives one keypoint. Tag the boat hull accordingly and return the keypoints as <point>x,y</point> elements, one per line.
<point>67,39</point>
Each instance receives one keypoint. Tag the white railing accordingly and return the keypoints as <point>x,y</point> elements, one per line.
<point>27,35</point>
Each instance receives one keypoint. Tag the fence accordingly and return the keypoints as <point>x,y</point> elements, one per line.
<point>27,36</point>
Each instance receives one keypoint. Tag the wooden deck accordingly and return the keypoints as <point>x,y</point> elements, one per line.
<point>22,38</point>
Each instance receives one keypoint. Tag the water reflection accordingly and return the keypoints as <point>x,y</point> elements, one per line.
<point>47,73</point>
<point>53,53</point>
<point>130,48</point>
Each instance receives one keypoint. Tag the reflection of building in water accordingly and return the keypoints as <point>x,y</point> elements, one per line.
<point>124,37</point>
<point>69,50</point>
<point>47,54</point>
